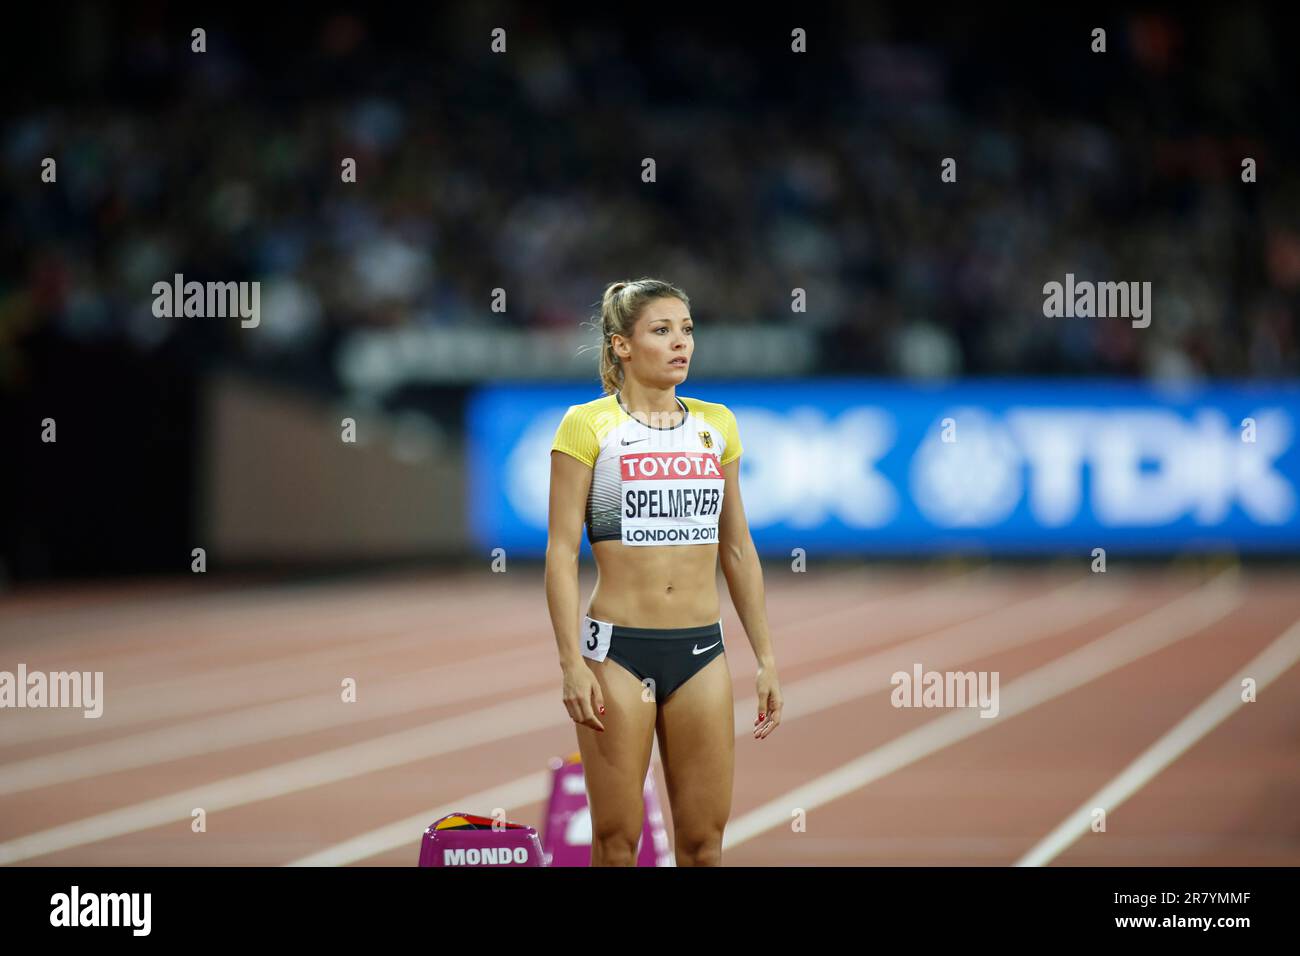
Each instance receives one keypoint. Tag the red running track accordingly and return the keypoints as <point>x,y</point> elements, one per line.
<point>227,698</point>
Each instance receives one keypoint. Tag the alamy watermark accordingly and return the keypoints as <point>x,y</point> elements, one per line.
<point>946,689</point>
<point>84,689</point>
<point>219,300</point>
<point>75,908</point>
<point>1103,300</point>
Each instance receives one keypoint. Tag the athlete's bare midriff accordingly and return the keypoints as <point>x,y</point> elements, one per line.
<point>669,586</point>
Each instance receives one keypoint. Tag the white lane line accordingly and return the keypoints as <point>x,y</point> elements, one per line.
<point>342,763</point>
<point>506,720</point>
<point>1157,629</point>
<point>441,685</point>
<point>306,712</point>
<point>196,694</point>
<point>1274,661</point>
<point>1005,628</point>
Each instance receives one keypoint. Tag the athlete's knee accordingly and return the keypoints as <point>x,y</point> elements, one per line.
<point>615,852</point>
<point>615,845</point>
<point>699,847</point>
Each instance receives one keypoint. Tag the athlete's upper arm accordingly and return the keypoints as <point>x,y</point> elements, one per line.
<point>573,455</point>
<point>570,482</point>
<point>733,528</point>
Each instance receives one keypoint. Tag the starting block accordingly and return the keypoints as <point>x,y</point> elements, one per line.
<point>464,839</point>
<point>566,836</point>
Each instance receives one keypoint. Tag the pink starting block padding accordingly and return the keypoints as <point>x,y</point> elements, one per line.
<point>464,839</point>
<point>566,835</point>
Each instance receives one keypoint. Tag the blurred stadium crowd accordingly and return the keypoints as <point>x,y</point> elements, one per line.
<point>774,171</point>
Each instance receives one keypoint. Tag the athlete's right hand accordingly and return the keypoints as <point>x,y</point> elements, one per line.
<point>582,697</point>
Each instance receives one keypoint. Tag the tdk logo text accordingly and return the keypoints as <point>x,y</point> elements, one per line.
<point>1145,467</point>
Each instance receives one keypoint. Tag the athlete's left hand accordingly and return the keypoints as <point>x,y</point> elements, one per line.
<point>769,702</point>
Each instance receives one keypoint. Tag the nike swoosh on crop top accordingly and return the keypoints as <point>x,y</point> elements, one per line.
<point>651,485</point>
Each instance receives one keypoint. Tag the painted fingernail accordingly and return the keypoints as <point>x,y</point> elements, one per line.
<point>761,716</point>
<point>602,708</point>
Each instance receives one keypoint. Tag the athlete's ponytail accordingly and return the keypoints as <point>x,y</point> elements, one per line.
<point>619,309</point>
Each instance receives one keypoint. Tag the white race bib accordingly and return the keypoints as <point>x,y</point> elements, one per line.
<point>670,497</point>
<point>595,638</point>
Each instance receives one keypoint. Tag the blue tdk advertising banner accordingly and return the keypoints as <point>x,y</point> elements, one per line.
<point>872,467</point>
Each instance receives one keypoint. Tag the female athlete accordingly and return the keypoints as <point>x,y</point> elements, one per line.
<point>655,478</point>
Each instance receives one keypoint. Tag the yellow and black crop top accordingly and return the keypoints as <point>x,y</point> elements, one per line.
<point>651,485</point>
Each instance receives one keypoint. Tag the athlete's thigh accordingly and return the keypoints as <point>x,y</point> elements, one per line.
<point>615,762</point>
<point>697,744</point>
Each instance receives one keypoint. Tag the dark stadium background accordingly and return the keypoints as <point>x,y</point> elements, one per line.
<point>522,172</point>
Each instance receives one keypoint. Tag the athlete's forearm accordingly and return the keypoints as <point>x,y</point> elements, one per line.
<point>744,574</point>
<point>562,600</point>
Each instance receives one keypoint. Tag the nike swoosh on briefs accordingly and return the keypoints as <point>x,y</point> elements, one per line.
<point>700,650</point>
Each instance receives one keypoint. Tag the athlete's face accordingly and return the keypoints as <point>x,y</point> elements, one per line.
<point>659,351</point>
